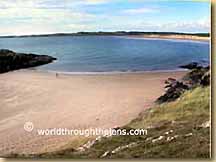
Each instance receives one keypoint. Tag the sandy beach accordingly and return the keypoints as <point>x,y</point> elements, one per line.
<point>70,101</point>
<point>178,37</point>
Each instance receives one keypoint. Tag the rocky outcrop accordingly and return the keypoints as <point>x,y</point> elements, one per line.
<point>174,90</point>
<point>190,66</point>
<point>10,60</point>
<point>205,80</point>
<point>198,76</point>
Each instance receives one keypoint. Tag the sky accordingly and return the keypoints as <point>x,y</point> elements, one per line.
<point>24,17</point>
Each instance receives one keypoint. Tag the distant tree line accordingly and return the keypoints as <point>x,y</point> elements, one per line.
<point>117,33</point>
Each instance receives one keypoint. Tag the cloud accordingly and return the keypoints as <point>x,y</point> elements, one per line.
<point>35,13</point>
<point>140,10</point>
<point>24,29</point>
<point>190,26</point>
<point>39,16</point>
<point>4,4</point>
<point>202,25</point>
<point>35,10</point>
<point>95,2</point>
<point>51,16</point>
<point>79,27</point>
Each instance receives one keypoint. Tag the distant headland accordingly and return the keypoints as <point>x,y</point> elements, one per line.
<point>163,35</point>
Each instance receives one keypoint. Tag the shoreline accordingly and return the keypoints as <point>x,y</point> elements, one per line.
<point>172,37</point>
<point>71,101</point>
<point>140,36</point>
<point>103,73</point>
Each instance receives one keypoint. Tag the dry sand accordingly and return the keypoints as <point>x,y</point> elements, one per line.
<point>70,101</point>
<point>180,37</point>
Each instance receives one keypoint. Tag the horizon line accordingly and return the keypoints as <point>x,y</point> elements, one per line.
<point>103,32</point>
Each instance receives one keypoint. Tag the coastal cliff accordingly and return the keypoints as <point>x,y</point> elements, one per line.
<point>10,60</point>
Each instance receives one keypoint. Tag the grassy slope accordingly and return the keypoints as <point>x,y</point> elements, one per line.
<point>183,116</point>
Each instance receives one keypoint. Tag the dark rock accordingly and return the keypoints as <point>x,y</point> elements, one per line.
<point>169,82</point>
<point>174,91</point>
<point>6,52</point>
<point>198,76</point>
<point>195,77</point>
<point>205,80</point>
<point>190,66</point>
<point>10,60</point>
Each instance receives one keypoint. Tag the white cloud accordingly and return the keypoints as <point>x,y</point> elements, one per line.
<point>140,10</point>
<point>52,16</point>
<point>95,2</point>
<point>79,27</point>
<point>190,26</point>
<point>38,16</point>
<point>202,25</point>
<point>20,3</point>
<point>35,13</point>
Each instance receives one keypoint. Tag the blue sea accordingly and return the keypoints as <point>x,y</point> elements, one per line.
<point>109,53</point>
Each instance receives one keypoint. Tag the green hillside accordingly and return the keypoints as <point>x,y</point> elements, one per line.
<point>182,125</point>
<point>178,129</point>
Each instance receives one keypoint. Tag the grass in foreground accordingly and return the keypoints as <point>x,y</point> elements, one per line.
<point>176,130</point>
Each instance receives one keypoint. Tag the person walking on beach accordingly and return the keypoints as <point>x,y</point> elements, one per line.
<point>57,75</point>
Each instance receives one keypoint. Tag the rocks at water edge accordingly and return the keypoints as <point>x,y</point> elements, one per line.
<point>174,90</point>
<point>198,76</point>
<point>10,60</point>
<point>190,66</point>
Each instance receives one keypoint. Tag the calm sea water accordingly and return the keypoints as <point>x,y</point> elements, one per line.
<point>110,54</point>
